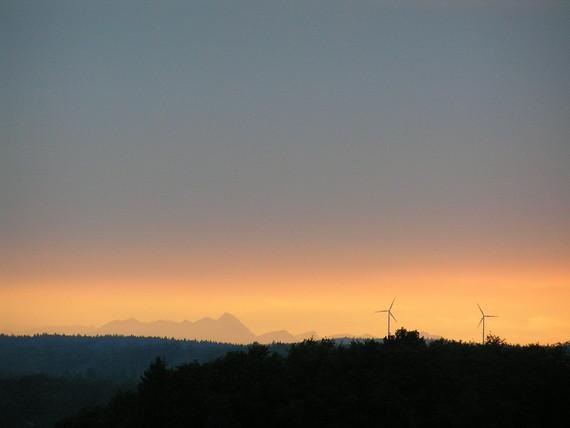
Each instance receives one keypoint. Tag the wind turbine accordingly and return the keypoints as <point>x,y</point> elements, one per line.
<point>482,320</point>
<point>389,314</point>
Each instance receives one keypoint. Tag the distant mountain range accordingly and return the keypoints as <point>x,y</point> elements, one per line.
<point>227,329</point>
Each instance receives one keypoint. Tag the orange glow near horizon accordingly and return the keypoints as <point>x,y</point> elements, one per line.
<point>325,274</point>
<point>533,307</point>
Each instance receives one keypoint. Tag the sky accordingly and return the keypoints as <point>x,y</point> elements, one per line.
<point>298,164</point>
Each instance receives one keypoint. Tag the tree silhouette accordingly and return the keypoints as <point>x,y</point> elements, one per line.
<point>493,340</point>
<point>405,338</point>
<point>402,382</point>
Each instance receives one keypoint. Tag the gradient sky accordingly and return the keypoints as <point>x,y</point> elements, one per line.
<point>295,163</point>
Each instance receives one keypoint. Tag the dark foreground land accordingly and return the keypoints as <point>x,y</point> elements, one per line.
<point>403,382</point>
<point>45,378</point>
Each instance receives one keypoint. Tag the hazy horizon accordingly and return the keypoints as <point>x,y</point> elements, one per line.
<point>226,328</point>
<point>297,164</point>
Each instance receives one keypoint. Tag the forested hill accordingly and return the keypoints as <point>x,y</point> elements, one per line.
<point>118,358</point>
<point>45,378</point>
<point>403,383</point>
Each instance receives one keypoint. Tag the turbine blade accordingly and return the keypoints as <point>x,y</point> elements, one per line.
<point>393,316</point>
<point>381,311</point>
<point>481,310</point>
<point>392,303</point>
<point>481,320</point>
<point>492,316</point>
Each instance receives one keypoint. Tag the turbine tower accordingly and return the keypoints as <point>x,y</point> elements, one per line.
<point>389,314</point>
<point>482,320</point>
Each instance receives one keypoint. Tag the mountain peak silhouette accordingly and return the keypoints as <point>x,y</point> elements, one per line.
<point>227,328</point>
<point>229,317</point>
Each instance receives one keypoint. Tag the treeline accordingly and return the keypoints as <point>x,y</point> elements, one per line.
<point>402,382</point>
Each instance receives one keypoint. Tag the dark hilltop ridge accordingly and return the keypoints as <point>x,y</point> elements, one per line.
<point>44,378</point>
<point>403,381</point>
<point>110,357</point>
